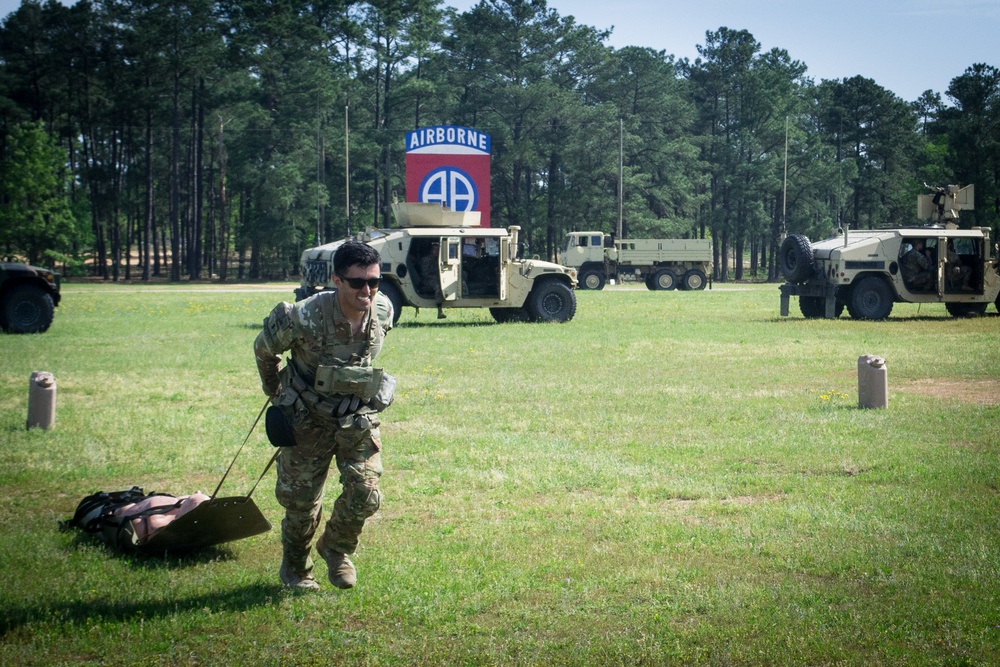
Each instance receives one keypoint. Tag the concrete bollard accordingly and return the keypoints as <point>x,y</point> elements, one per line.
<point>873,382</point>
<point>42,400</point>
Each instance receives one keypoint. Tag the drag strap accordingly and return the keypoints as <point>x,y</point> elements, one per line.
<point>266,468</point>
<point>255,422</point>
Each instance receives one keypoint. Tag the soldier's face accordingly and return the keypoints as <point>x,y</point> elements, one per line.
<point>356,300</point>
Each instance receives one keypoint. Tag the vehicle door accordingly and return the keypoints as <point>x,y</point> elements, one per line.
<point>964,265</point>
<point>506,256</point>
<point>939,249</point>
<point>450,265</point>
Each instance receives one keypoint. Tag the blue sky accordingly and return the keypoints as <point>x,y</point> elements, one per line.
<point>906,46</point>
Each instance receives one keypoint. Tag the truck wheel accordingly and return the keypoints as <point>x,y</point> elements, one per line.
<point>28,309</point>
<point>504,315</point>
<point>813,307</point>
<point>391,291</point>
<point>551,301</point>
<point>871,299</point>
<point>665,279</point>
<point>650,285</point>
<point>694,279</point>
<point>795,258</point>
<point>963,309</point>
<point>592,280</point>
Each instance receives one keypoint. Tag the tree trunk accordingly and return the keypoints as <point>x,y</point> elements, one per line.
<point>196,194</point>
<point>175,150</point>
<point>148,237</point>
<point>550,217</point>
<point>223,220</point>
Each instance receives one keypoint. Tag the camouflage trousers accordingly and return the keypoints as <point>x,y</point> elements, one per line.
<point>302,474</point>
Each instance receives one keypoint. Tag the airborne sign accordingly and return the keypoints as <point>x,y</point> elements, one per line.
<point>449,165</point>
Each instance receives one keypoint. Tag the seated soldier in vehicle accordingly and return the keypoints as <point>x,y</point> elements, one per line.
<point>956,273</point>
<point>430,281</point>
<point>918,271</point>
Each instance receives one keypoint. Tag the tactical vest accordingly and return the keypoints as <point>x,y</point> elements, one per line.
<point>344,368</point>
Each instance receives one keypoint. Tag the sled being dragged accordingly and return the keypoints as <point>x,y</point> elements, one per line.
<point>157,523</point>
<point>215,521</point>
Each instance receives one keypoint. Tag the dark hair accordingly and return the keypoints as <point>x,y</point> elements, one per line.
<point>354,253</point>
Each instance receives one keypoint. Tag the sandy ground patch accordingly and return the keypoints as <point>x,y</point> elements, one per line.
<point>968,391</point>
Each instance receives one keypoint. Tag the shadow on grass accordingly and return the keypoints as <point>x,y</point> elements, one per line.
<point>888,320</point>
<point>438,323</point>
<point>79,611</point>
<point>246,597</point>
<point>164,561</point>
<point>409,324</point>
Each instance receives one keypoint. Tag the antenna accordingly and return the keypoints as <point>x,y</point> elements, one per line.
<point>784,187</point>
<point>347,166</point>
<point>621,168</point>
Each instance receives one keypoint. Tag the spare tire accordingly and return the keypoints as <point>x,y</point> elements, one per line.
<point>795,259</point>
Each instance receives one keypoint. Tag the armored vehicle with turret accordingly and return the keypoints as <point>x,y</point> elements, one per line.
<point>868,271</point>
<point>436,257</point>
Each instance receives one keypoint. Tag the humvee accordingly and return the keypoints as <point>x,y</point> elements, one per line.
<point>28,297</point>
<point>864,271</point>
<point>475,267</point>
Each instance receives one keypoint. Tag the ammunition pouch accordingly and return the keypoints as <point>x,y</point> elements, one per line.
<point>355,395</point>
<point>361,381</point>
<point>373,386</point>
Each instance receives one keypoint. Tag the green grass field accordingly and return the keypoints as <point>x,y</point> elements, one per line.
<point>671,478</point>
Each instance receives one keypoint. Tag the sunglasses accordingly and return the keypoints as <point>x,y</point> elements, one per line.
<point>358,283</point>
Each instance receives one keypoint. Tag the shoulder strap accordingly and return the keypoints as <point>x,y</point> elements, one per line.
<point>326,305</point>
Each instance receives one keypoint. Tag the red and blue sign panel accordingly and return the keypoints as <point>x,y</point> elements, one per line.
<point>449,165</point>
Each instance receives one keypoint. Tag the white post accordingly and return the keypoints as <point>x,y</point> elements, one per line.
<point>42,400</point>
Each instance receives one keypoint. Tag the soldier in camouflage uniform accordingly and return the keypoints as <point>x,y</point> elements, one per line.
<point>329,397</point>
<point>917,269</point>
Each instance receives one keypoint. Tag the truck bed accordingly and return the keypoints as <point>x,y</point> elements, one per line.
<point>650,251</point>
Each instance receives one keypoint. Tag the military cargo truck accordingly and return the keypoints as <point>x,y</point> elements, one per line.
<point>868,271</point>
<point>661,264</point>
<point>469,267</point>
<point>28,297</point>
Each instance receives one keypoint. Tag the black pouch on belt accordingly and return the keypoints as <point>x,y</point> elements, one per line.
<point>279,429</point>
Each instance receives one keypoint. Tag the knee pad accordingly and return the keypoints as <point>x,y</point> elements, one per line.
<point>363,500</point>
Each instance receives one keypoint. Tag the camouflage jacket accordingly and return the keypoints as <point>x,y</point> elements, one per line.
<point>914,263</point>
<point>317,333</point>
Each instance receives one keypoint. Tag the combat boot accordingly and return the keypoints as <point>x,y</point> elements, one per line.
<point>340,569</point>
<point>297,574</point>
